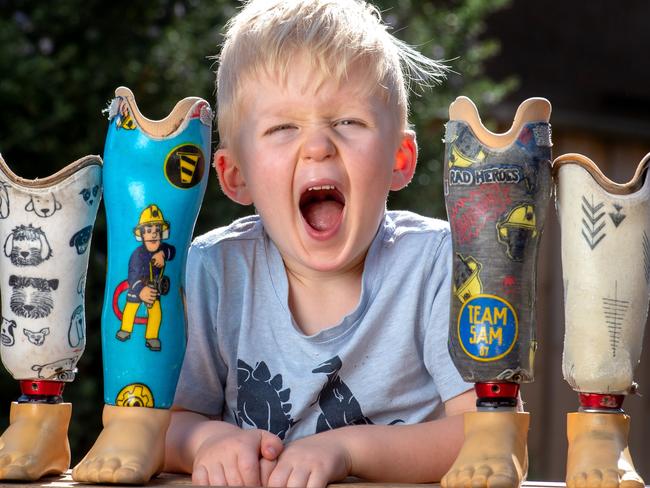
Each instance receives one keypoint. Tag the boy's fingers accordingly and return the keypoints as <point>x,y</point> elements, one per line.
<point>233,478</point>
<point>266,467</point>
<point>317,480</point>
<point>279,476</point>
<point>217,476</point>
<point>249,468</point>
<point>298,478</point>
<point>270,446</point>
<point>200,476</point>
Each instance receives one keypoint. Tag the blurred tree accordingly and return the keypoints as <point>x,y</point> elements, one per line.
<point>449,31</point>
<point>61,62</point>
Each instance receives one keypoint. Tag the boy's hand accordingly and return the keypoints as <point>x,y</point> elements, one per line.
<point>233,459</point>
<point>312,461</point>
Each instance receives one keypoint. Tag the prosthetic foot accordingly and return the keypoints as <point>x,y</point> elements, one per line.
<point>497,188</point>
<point>155,176</point>
<point>45,229</point>
<point>606,268</point>
<point>598,452</point>
<point>494,452</point>
<point>130,448</point>
<point>36,442</point>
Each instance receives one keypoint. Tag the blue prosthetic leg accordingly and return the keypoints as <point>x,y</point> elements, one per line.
<point>155,176</point>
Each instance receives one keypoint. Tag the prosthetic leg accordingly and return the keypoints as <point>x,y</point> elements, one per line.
<point>606,267</point>
<point>155,175</point>
<point>45,229</point>
<point>497,188</point>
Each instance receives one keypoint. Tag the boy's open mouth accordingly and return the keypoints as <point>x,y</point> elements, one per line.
<point>322,207</point>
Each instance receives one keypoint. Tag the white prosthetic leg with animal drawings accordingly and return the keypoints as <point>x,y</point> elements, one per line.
<point>606,267</point>
<point>45,230</point>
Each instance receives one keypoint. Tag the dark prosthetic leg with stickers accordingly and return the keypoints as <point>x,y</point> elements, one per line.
<point>497,189</point>
<point>605,308</point>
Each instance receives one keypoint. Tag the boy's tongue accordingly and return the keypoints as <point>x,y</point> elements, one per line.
<point>322,215</point>
<point>322,207</point>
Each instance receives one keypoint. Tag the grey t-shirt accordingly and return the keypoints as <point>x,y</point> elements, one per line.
<point>386,362</point>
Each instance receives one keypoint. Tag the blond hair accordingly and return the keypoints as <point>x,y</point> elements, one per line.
<point>264,37</point>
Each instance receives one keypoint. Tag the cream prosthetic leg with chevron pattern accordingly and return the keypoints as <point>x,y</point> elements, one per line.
<point>606,267</point>
<point>45,229</point>
<point>497,190</point>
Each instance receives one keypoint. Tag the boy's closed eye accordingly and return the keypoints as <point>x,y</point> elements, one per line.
<point>279,128</point>
<point>336,123</point>
<point>349,122</point>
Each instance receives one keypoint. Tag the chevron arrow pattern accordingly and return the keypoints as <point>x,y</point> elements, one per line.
<point>592,222</point>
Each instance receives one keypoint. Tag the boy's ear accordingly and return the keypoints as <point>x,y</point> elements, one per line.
<point>405,161</point>
<point>230,178</point>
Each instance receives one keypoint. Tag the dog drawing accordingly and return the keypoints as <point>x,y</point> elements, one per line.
<point>7,332</point>
<point>61,370</point>
<point>81,239</point>
<point>31,297</point>
<point>43,205</point>
<point>81,285</point>
<point>76,331</point>
<point>90,194</point>
<point>27,246</point>
<point>37,338</point>
<point>4,200</point>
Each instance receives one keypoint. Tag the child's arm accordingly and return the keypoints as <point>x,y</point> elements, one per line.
<point>216,452</point>
<point>399,453</point>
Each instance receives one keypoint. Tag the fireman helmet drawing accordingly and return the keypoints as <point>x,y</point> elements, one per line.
<point>146,279</point>
<point>515,229</point>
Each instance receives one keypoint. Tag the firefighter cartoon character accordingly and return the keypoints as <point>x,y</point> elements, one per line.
<point>146,279</point>
<point>515,229</point>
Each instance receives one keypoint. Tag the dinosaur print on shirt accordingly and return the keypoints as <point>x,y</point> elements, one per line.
<point>261,401</point>
<point>338,405</point>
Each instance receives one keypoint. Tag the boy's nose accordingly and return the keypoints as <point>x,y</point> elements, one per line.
<point>317,147</point>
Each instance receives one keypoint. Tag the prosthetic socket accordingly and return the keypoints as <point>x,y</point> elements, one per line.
<point>606,269</point>
<point>45,229</point>
<point>155,175</point>
<point>497,187</point>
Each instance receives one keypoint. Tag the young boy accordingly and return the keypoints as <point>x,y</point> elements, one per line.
<point>322,322</point>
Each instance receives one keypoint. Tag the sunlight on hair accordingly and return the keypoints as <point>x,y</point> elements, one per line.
<point>266,36</point>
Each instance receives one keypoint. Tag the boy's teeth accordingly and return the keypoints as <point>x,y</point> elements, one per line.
<point>324,187</point>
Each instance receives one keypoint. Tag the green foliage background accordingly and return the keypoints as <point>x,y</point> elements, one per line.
<point>61,61</point>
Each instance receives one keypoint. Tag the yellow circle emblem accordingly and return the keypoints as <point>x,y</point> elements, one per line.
<point>135,395</point>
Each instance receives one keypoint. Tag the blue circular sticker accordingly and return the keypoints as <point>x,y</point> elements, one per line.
<point>487,327</point>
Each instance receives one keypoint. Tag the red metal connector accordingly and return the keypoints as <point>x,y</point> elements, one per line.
<point>601,401</point>
<point>44,388</point>
<point>497,389</point>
